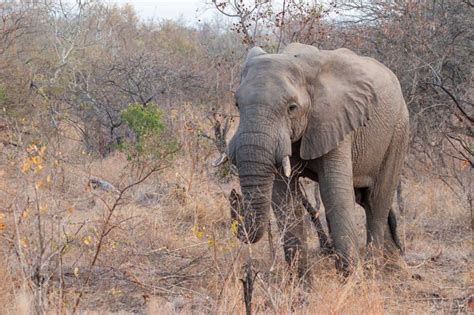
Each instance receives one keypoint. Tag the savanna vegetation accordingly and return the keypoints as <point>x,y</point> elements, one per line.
<point>109,124</point>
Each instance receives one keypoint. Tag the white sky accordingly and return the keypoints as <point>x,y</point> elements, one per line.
<point>189,10</point>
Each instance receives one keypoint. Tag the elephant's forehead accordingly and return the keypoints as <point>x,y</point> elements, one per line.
<point>265,90</point>
<point>269,80</point>
<point>274,66</point>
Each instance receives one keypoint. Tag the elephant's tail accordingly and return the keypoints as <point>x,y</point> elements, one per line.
<point>392,224</point>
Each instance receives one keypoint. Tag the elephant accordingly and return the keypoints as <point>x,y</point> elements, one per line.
<point>333,116</point>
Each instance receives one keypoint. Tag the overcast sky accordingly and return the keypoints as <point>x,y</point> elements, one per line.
<point>190,10</point>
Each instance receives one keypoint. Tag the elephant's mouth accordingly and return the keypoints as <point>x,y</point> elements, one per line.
<point>223,158</point>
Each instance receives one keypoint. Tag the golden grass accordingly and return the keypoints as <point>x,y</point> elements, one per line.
<point>171,249</point>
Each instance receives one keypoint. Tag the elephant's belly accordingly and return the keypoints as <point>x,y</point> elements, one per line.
<point>363,181</point>
<point>369,147</point>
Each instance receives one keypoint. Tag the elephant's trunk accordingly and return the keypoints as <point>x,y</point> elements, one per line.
<point>255,156</point>
<point>257,192</point>
<point>258,149</point>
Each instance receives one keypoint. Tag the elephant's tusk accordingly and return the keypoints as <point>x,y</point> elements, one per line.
<point>286,166</point>
<point>220,160</point>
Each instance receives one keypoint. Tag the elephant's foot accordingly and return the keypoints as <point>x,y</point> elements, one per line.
<point>386,259</point>
<point>392,254</point>
<point>394,262</point>
<point>326,248</point>
<point>346,266</point>
<point>374,259</point>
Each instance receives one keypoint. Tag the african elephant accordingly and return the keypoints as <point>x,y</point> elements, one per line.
<point>332,116</point>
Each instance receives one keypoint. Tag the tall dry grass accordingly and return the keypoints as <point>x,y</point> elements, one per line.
<point>170,248</point>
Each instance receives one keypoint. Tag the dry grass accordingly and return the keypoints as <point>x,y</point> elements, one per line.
<point>171,249</point>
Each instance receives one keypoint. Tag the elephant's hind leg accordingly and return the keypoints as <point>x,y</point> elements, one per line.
<point>382,234</point>
<point>288,209</point>
<point>382,230</point>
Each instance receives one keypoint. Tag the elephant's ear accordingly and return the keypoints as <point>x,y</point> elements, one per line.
<point>342,96</point>
<point>254,52</point>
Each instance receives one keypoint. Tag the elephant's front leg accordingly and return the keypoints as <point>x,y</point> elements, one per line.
<point>289,211</point>
<point>337,193</point>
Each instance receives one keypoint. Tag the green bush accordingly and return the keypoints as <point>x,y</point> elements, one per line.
<point>147,125</point>
<point>143,121</point>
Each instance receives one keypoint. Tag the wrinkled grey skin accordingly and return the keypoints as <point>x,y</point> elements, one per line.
<point>343,121</point>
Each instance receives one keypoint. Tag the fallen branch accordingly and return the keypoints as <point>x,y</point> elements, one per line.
<point>323,238</point>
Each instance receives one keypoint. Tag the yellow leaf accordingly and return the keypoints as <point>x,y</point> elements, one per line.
<point>35,159</point>
<point>38,168</point>
<point>48,178</point>
<point>115,291</point>
<point>43,208</point>
<point>70,209</point>
<point>31,148</point>
<point>87,240</point>
<point>2,224</point>
<point>233,227</point>
<point>25,214</point>
<point>197,231</point>
<point>39,184</point>
<point>26,166</point>
<point>211,242</point>
<point>42,150</point>
<point>76,272</point>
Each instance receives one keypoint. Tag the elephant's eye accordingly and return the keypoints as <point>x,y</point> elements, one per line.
<point>292,108</point>
<point>236,104</point>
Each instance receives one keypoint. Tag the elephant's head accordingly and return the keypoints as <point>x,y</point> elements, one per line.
<point>302,95</point>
